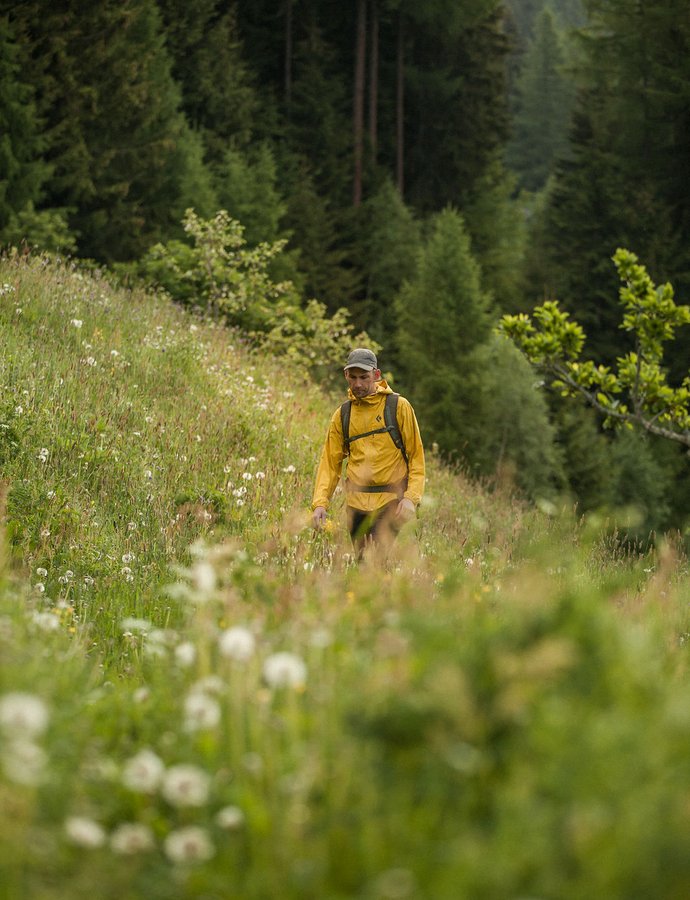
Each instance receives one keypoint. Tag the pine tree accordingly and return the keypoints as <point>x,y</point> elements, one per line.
<point>22,171</point>
<point>390,239</point>
<point>442,318</point>
<point>219,98</point>
<point>125,162</point>
<point>544,102</point>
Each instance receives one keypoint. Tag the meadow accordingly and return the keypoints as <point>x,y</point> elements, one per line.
<point>201,697</point>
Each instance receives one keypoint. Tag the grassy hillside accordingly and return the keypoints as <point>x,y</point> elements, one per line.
<point>199,697</point>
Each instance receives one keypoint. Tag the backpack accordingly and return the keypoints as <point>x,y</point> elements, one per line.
<point>390,417</point>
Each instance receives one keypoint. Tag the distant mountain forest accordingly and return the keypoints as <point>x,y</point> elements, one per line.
<point>452,159</point>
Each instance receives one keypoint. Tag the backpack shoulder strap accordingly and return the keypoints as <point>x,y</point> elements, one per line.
<point>345,411</point>
<point>390,415</point>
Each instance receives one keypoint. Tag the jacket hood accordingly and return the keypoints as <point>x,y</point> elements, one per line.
<point>382,387</point>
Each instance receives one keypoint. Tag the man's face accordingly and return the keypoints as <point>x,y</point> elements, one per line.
<point>362,382</point>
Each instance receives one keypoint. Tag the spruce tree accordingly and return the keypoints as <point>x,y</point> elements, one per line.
<point>442,319</point>
<point>125,162</point>
<point>22,171</point>
<point>219,97</point>
<point>540,127</point>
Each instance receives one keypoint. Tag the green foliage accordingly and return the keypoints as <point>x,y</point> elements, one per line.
<point>497,225</point>
<point>247,186</point>
<point>637,392</point>
<point>219,98</point>
<point>516,448</point>
<point>22,171</point>
<point>545,95</point>
<point>125,162</point>
<point>626,164</point>
<point>223,276</point>
<point>465,387</point>
<point>390,239</point>
<point>515,664</point>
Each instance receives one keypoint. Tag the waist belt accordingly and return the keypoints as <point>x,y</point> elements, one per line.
<point>398,488</point>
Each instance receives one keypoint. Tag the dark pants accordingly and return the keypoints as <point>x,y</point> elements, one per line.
<point>368,527</point>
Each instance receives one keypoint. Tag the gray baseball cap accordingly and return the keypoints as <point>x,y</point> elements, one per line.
<point>361,358</point>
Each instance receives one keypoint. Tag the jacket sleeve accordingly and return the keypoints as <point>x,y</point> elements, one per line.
<point>409,428</point>
<point>330,464</point>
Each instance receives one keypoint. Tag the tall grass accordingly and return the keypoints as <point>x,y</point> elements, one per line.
<point>199,697</point>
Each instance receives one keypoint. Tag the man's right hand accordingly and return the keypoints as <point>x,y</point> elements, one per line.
<point>318,517</point>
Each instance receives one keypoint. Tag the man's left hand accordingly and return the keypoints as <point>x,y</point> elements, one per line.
<point>406,510</point>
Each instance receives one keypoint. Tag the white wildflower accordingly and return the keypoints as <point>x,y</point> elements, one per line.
<point>39,587</point>
<point>201,712</point>
<point>143,773</point>
<point>237,643</point>
<point>90,361</point>
<point>18,410</point>
<point>77,323</point>
<point>84,832</point>
<point>130,838</point>
<point>230,817</point>
<point>41,572</point>
<point>135,625</point>
<point>247,476</point>
<point>203,577</point>
<point>43,454</point>
<point>285,670</point>
<point>23,761</point>
<point>189,845</point>
<point>211,684</point>
<point>23,715</point>
<point>289,469</point>
<point>185,785</point>
<point>185,654</point>
<point>128,558</point>
<point>260,475</point>
<point>45,621</point>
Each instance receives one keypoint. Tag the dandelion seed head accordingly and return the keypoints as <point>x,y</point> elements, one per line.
<point>84,832</point>
<point>23,715</point>
<point>23,761</point>
<point>203,577</point>
<point>135,625</point>
<point>189,845</point>
<point>185,654</point>
<point>143,772</point>
<point>185,785</point>
<point>230,818</point>
<point>237,643</point>
<point>45,621</point>
<point>130,838</point>
<point>201,712</point>
<point>285,669</point>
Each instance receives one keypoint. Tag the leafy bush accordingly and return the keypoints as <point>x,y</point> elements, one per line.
<point>222,276</point>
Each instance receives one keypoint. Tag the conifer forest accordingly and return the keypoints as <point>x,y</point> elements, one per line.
<point>419,169</point>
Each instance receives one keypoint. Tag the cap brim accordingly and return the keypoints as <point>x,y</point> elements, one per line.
<point>360,366</point>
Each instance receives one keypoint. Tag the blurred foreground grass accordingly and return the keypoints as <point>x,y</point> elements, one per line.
<point>201,698</point>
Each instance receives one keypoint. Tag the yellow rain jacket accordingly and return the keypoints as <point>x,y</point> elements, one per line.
<point>374,459</point>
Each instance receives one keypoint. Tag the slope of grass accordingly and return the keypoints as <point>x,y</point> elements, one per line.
<point>201,698</point>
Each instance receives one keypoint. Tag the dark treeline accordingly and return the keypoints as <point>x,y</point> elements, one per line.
<point>430,165</point>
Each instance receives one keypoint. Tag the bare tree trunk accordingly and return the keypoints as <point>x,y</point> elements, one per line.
<point>374,80</point>
<point>400,108</point>
<point>358,106</point>
<point>288,55</point>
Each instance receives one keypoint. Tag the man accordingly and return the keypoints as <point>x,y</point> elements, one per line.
<point>385,456</point>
